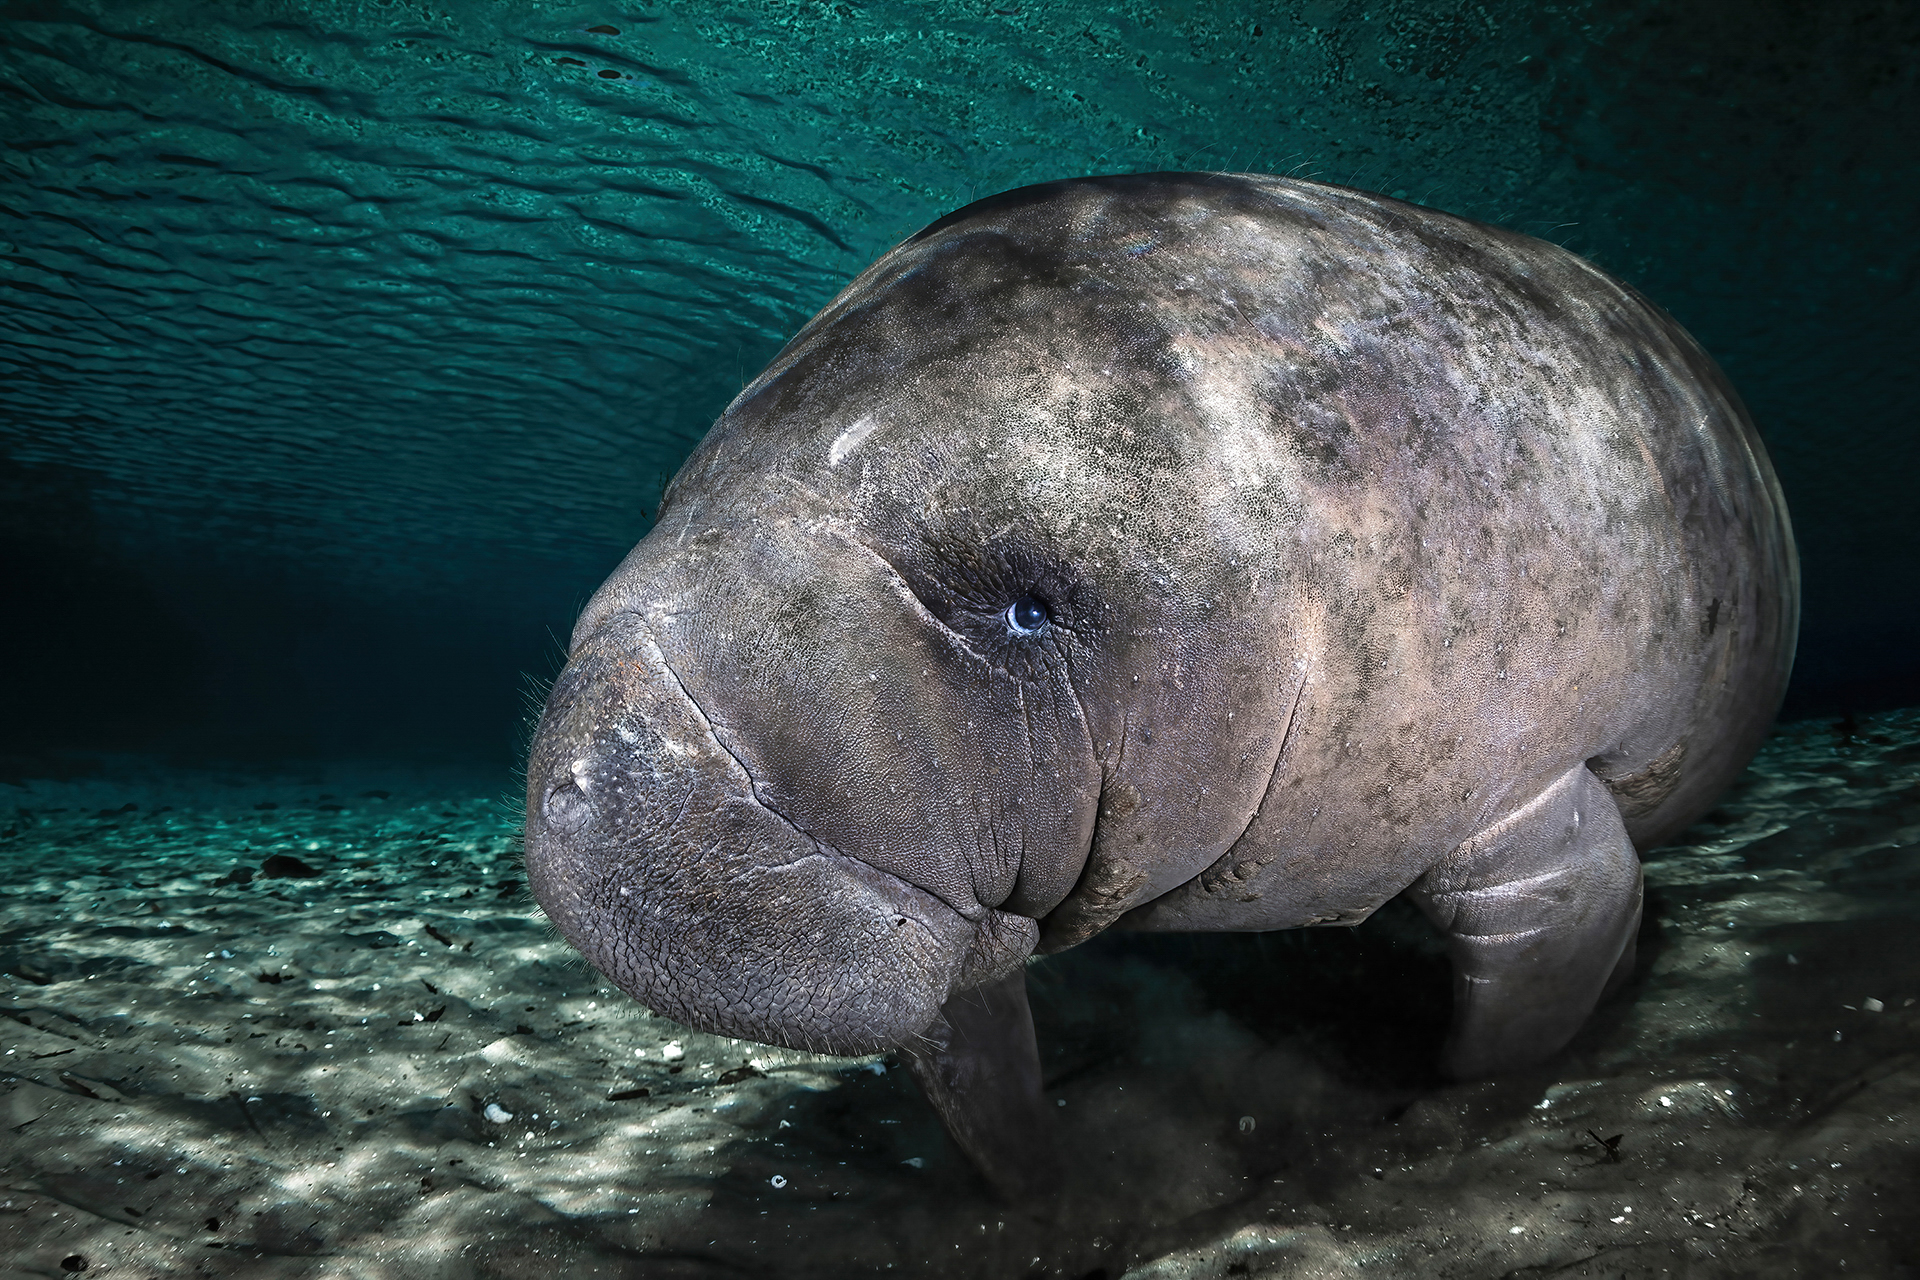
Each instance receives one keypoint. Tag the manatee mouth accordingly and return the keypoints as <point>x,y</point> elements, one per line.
<point>651,852</point>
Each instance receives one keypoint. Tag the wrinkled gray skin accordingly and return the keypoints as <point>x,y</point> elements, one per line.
<point>1380,551</point>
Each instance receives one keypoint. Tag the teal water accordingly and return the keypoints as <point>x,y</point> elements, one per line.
<point>347,345</point>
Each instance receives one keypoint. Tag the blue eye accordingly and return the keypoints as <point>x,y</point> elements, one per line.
<point>1027,615</point>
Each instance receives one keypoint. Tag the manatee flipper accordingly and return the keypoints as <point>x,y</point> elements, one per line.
<point>980,1068</point>
<point>1540,912</point>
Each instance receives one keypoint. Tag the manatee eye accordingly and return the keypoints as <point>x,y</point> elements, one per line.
<point>1027,615</point>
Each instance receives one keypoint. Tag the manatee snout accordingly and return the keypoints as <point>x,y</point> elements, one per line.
<point>650,850</point>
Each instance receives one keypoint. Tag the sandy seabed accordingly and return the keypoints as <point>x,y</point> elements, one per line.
<point>311,1025</point>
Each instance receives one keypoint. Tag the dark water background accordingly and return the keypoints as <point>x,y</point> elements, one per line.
<point>346,346</point>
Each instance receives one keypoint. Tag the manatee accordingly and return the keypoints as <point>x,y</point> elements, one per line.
<point>1183,551</point>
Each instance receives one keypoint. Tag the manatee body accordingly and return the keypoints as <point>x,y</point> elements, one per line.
<point>1170,551</point>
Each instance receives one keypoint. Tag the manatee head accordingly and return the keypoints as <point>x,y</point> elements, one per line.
<point>771,799</point>
<point>941,648</point>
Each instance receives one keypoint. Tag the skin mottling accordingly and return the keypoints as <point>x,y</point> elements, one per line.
<point>1380,552</point>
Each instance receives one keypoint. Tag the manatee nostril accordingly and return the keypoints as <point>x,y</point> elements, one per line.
<point>567,808</point>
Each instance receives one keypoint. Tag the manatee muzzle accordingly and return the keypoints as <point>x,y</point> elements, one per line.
<point>649,849</point>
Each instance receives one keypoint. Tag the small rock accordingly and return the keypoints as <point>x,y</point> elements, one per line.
<point>497,1113</point>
